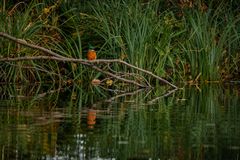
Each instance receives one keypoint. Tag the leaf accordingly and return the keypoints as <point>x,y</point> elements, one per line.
<point>109,82</point>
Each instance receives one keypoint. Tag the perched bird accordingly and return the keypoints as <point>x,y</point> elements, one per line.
<point>91,55</point>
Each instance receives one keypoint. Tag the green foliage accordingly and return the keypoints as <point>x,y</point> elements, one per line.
<point>211,36</point>
<point>23,24</point>
<point>127,27</point>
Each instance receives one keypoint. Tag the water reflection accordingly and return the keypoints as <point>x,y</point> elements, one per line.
<point>38,122</point>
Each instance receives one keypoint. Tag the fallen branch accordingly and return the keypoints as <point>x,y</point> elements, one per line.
<point>23,42</point>
<point>57,57</point>
<point>65,59</point>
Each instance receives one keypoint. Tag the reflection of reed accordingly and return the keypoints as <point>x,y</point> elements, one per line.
<point>35,132</point>
<point>124,94</point>
<point>162,96</point>
<point>25,92</point>
<point>18,91</point>
<point>211,114</point>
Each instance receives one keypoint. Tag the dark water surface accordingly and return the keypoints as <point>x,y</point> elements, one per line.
<point>40,122</point>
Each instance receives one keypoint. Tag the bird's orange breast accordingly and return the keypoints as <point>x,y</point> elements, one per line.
<point>91,55</point>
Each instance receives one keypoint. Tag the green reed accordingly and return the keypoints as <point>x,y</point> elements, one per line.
<point>141,34</point>
<point>209,41</point>
<point>40,29</point>
<point>20,21</point>
<point>128,29</point>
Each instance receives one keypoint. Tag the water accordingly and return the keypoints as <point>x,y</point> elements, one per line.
<point>44,122</point>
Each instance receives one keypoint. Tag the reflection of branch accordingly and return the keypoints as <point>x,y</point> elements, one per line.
<point>164,95</point>
<point>46,93</point>
<point>57,57</point>
<point>124,94</point>
<point>111,90</point>
<point>41,95</point>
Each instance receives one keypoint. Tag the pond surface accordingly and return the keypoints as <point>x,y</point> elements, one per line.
<point>42,122</point>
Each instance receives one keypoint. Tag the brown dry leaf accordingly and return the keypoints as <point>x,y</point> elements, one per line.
<point>74,66</point>
<point>123,56</point>
<point>96,82</point>
<point>46,10</point>
<point>203,7</point>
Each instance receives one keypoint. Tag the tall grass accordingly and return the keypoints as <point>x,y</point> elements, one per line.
<point>71,46</point>
<point>21,22</point>
<point>140,33</point>
<point>212,36</point>
<point>42,29</point>
<point>128,29</point>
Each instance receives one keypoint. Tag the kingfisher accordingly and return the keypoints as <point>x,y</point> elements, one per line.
<point>91,55</point>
